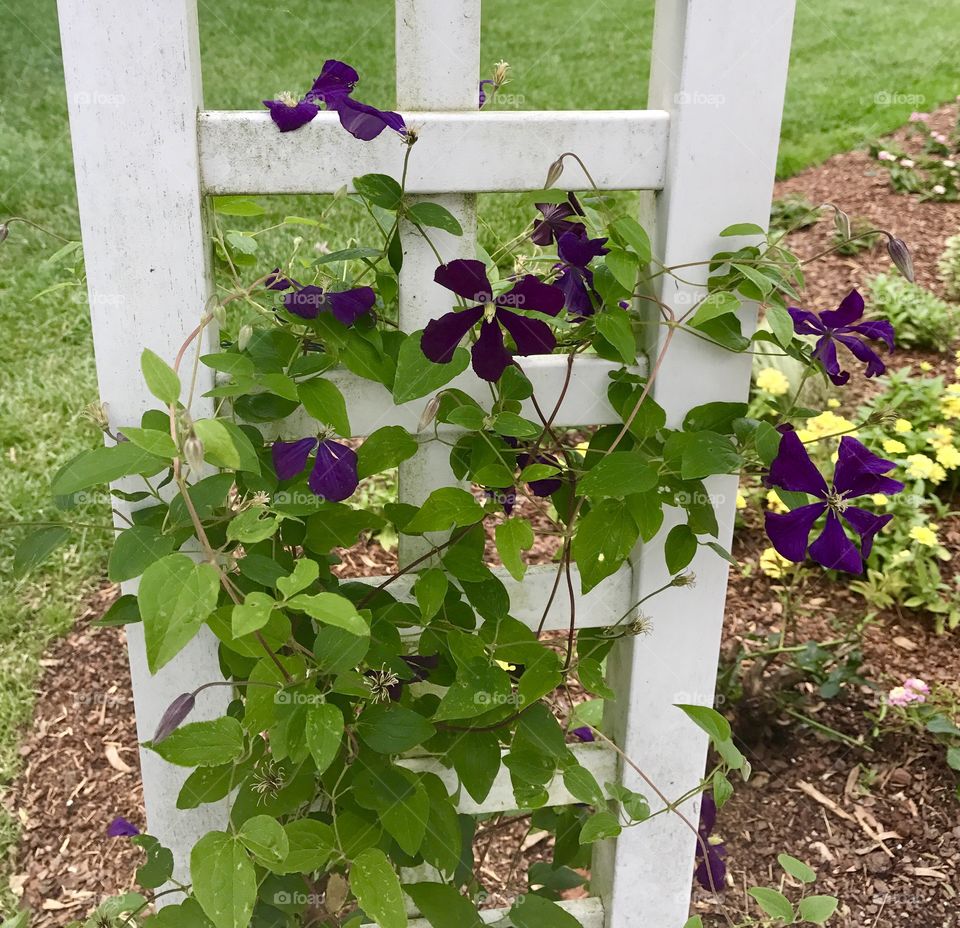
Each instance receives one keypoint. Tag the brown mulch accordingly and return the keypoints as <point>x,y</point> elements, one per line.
<point>879,822</point>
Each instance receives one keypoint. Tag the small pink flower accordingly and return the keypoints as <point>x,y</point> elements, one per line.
<point>886,156</point>
<point>919,117</point>
<point>917,687</point>
<point>900,696</point>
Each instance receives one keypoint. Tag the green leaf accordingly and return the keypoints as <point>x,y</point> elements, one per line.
<point>718,303</point>
<point>620,473</point>
<point>514,536</point>
<point>161,379</point>
<point>532,911</point>
<point>679,548</point>
<point>582,785</point>
<point>206,784</point>
<point>323,400</point>
<point>104,465</point>
<point>383,449</point>
<point>476,758</point>
<point>264,837</point>
<point>175,596</point>
<point>444,509</point>
<point>226,445</point>
<point>252,526</point>
<point>324,732</point>
<point>252,614</point>
<point>380,189</point>
<point>781,324</point>
<point>624,266</point>
<point>707,453</point>
<point>135,549</point>
<point>332,609</point>
<point>392,729</point>
<point>773,903</point>
<point>152,440</point>
<point>435,216</point>
<point>600,825</point>
<point>742,228</point>
<point>695,922</point>
<point>125,611</point>
<point>711,721</point>
<point>311,843</point>
<point>614,325</point>
<point>635,236</point>
<point>797,868</point>
<point>237,206</point>
<point>430,590</point>
<point>202,744</point>
<point>442,906</point>
<point>158,867</point>
<point>953,758</point>
<point>37,547</point>
<point>817,909</point>
<point>417,375</point>
<point>305,572</point>
<point>377,888</point>
<point>605,537</point>
<point>714,417</point>
<point>224,880</point>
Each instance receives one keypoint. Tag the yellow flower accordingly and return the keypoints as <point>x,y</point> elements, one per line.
<point>741,500</point>
<point>773,564</point>
<point>892,446</point>
<point>950,405</point>
<point>920,467</point>
<point>926,367</point>
<point>833,403</point>
<point>942,435</point>
<point>774,502</point>
<point>772,381</point>
<point>924,535</point>
<point>902,425</point>
<point>956,371</point>
<point>948,456</point>
<point>827,423</point>
<point>880,499</point>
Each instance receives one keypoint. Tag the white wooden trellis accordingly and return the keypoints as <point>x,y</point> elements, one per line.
<point>147,154</point>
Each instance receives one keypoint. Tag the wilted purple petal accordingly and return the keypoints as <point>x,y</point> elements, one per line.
<point>335,82</point>
<point>121,828</point>
<point>441,336</point>
<point>573,283</point>
<point>531,335</point>
<point>334,473</point>
<point>490,357</point>
<point>366,122</point>
<point>584,733</point>
<point>287,116</point>
<point>348,306</point>
<point>466,277</point>
<point>711,872</point>
<point>792,468</point>
<point>578,250</point>
<point>789,531</point>
<point>834,550</point>
<point>306,302</point>
<point>176,712</point>
<point>482,92</point>
<point>290,457</point>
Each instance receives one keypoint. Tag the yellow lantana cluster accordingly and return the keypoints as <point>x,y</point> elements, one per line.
<point>773,564</point>
<point>950,403</point>
<point>827,423</point>
<point>921,467</point>
<point>772,381</point>
<point>925,535</point>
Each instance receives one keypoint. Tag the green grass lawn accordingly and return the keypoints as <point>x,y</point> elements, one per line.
<point>849,57</point>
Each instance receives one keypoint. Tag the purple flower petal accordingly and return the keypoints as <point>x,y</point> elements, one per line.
<point>490,357</point>
<point>441,336</point>
<point>555,222</point>
<point>335,82</point>
<point>825,352</point>
<point>467,278</point>
<point>878,329</point>
<point>708,816</point>
<point>275,281</point>
<point>578,250</point>
<point>482,92</point>
<point>789,532</point>
<point>863,352</point>
<point>288,117</point>
<point>306,302</point>
<point>532,293</point>
<point>834,550</point>
<point>847,313</point>
<point>573,284</point>
<point>792,468</point>
<point>348,306</point>
<point>859,470</point>
<point>531,335</point>
<point>290,457</point>
<point>711,871</point>
<point>805,322</point>
<point>366,122</point>
<point>584,733</point>
<point>176,712</point>
<point>334,473</point>
<point>121,828</point>
<point>866,525</point>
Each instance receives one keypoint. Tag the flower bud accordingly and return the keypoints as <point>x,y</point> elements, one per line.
<point>554,172</point>
<point>429,413</point>
<point>687,578</point>
<point>244,336</point>
<point>220,314</point>
<point>193,452</point>
<point>176,712</point>
<point>501,72</point>
<point>841,222</point>
<point>97,414</point>
<point>901,257</point>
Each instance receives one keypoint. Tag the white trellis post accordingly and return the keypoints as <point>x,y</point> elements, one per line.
<point>707,147</point>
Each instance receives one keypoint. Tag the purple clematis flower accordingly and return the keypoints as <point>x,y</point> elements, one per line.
<point>332,89</point>
<point>468,279</point>
<point>711,870</point>
<point>121,828</point>
<point>576,251</point>
<point>347,306</point>
<point>556,221</point>
<point>858,473</point>
<point>840,326</point>
<point>584,733</point>
<point>334,472</point>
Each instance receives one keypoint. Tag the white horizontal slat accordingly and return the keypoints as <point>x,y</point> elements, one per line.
<point>602,606</point>
<point>243,152</point>
<point>371,405</point>
<point>600,760</point>
<point>589,912</point>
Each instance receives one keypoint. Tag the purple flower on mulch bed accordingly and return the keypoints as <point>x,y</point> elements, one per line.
<point>332,89</point>
<point>711,870</point>
<point>840,326</point>
<point>347,306</point>
<point>121,828</point>
<point>468,279</point>
<point>858,473</point>
<point>334,472</point>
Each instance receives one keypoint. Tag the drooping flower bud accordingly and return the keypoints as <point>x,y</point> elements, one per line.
<point>193,452</point>
<point>901,257</point>
<point>553,173</point>
<point>429,413</point>
<point>841,222</point>
<point>244,336</point>
<point>220,314</point>
<point>176,712</point>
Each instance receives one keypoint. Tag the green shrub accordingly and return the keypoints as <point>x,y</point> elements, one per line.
<point>948,266</point>
<point>920,317</point>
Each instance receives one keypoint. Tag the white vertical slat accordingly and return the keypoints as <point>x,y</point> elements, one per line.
<point>133,89</point>
<point>719,67</point>
<point>438,63</point>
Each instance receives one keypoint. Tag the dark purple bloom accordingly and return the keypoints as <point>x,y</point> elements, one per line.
<point>840,326</point>
<point>334,472</point>
<point>505,496</point>
<point>711,870</point>
<point>468,279</point>
<point>332,89</point>
<point>584,733</point>
<point>347,306</point>
<point>556,221</point>
<point>858,473</point>
<point>121,828</point>
<point>176,712</point>
<point>420,666</point>
<point>576,251</point>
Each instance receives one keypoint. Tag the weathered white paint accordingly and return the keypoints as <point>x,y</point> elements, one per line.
<point>719,67</point>
<point>241,152</point>
<point>133,90</point>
